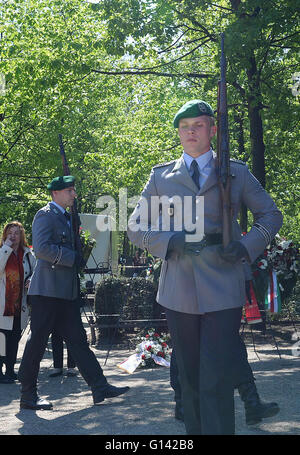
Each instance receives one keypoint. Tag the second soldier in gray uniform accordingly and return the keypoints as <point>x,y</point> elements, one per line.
<point>202,286</point>
<point>54,299</point>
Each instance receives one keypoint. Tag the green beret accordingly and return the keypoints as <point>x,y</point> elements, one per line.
<point>60,183</point>
<point>192,109</point>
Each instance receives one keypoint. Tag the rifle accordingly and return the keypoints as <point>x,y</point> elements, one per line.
<point>75,225</point>
<point>223,156</point>
<point>75,220</point>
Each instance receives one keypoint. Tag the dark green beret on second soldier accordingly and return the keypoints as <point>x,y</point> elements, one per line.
<point>191,109</point>
<point>60,183</point>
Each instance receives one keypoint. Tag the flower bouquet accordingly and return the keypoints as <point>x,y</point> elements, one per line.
<point>152,350</point>
<point>275,273</point>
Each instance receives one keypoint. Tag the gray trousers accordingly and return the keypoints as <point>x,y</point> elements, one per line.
<point>57,343</point>
<point>244,373</point>
<point>208,359</point>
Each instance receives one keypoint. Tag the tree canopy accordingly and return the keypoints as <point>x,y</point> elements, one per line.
<point>110,75</point>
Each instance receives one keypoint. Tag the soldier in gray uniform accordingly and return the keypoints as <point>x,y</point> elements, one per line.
<point>202,285</point>
<point>54,300</point>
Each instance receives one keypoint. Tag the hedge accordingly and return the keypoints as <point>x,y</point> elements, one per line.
<point>133,298</point>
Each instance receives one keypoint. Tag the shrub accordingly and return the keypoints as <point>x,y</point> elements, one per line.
<point>132,298</point>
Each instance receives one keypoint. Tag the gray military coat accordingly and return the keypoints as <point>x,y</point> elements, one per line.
<point>203,283</point>
<point>55,273</point>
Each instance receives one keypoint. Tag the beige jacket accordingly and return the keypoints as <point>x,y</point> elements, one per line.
<point>6,322</point>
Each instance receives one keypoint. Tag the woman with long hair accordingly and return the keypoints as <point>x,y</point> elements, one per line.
<point>17,263</point>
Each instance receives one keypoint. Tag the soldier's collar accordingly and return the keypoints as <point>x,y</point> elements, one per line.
<point>178,164</point>
<point>56,208</point>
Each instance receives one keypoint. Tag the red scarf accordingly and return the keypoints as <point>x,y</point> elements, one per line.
<point>14,283</point>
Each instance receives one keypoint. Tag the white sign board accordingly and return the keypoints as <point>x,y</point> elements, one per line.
<point>2,344</point>
<point>104,253</point>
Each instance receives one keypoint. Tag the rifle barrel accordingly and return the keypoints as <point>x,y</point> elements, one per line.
<point>223,119</point>
<point>223,151</point>
<point>75,223</point>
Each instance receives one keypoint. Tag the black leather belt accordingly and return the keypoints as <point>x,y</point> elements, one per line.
<point>208,240</point>
<point>212,239</point>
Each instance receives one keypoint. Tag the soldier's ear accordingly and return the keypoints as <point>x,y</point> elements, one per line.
<point>213,130</point>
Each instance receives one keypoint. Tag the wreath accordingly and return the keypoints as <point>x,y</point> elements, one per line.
<point>151,350</point>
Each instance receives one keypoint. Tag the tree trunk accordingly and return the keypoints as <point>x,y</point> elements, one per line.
<point>256,126</point>
<point>257,144</point>
<point>254,107</point>
<point>238,119</point>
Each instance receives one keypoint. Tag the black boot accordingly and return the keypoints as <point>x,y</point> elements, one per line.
<point>31,400</point>
<point>109,391</point>
<point>255,409</point>
<point>10,373</point>
<point>36,403</point>
<point>5,379</point>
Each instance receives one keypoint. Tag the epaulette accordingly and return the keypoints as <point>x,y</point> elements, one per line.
<point>164,164</point>
<point>45,209</point>
<point>238,161</point>
<point>48,209</point>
